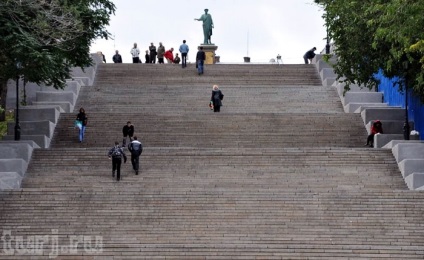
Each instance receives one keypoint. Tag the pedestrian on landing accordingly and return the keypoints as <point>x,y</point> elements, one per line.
<point>200,59</point>
<point>169,55</point>
<point>153,53</point>
<point>147,57</point>
<point>135,148</point>
<point>216,98</point>
<point>184,51</point>
<point>116,153</point>
<point>309,55</point>
<point>127,130</point>
<point>135,52</point>
<point>117,57</point>
<point>161,52</point>
<point>81,123</point>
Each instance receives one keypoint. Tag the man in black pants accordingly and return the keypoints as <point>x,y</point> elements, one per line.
<point>127,130</point>
<point>116,153</point>
<point>136,148</point>
<point>200,60</point>
<point>184,50</point>
<point>309,55</point>
<point>153,53</point>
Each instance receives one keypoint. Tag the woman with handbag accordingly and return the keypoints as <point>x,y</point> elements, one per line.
<point>81,122</point>
<point>216,98</point>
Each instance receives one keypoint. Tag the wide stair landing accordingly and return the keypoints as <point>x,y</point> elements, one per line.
<point>278,174</point>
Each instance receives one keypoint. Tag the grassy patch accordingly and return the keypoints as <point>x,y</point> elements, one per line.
<point>3,125</point>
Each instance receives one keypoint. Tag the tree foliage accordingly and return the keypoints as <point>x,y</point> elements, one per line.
<point>373,35</point>
<point>41,40</point>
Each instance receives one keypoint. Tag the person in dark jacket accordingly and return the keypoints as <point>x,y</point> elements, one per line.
<point>81,123</point>
<point>200,60</point>
<point>116,153</point>
<point>216,98</point>
<point>147,57</point>
<point>153,53</point>
<point>177,59</point>
<point>135,148</point>
<point>117,57</point>
<point>127,130</point>
<point>376,128</point>
<point>309,55</point>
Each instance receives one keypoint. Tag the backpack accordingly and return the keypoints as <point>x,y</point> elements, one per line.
<point>116,152</point>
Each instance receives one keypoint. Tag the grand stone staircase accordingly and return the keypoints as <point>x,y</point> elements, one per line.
<point>280,173</point>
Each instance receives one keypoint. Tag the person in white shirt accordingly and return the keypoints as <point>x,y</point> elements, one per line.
<point>135,52</point>
<point>136,148</point>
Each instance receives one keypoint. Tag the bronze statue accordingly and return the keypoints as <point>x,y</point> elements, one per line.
<point>207,26</point>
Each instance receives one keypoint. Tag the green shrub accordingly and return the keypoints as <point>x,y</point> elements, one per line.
<point>3,125</point>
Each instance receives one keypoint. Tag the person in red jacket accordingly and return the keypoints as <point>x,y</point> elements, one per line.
<point>169,56</point>
<point>376,128</point>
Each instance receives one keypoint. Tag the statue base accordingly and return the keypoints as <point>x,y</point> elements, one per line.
<point>209,50</point>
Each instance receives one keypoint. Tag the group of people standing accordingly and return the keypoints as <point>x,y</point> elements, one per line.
<point>154,54</point>
<point>160,54</point>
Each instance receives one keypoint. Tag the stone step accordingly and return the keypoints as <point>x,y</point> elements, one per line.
<point>228,130</point>
<point>241,169</point>
<point>220,74</point>
<point>257,99</point>
<point>278,174</point>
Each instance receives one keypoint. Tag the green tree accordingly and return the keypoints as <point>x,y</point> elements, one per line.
<point>47,38</point>
<point>377,34</point>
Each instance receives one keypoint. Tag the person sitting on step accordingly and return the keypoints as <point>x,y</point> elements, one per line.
<point>376,128</point>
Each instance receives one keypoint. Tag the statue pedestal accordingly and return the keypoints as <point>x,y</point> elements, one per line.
<point>209,50</point>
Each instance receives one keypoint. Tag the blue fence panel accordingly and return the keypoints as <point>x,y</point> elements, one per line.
<point>393,97</point>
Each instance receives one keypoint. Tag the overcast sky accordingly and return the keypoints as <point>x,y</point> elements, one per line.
<point>260,29</point>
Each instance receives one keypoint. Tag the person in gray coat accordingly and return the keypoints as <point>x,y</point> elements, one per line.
<point>161,52</point>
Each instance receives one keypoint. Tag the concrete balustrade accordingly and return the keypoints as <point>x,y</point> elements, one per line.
<point>33,128</point>
<point>409,166</point>
<point>392,114</point>
<point>403,151</point>
<point>359,98</point>
<point>415,181</point>
<point>38,120</point>
<point>369,104</point>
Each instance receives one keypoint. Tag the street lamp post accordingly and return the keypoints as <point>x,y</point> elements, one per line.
<point>17,126</point>
<point>327,46</point>
<point>406,128</point>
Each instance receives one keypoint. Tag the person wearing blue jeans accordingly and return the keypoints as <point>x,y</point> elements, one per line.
<point>184,50</point>
<point>200,60</point>
<point>82,122</point>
